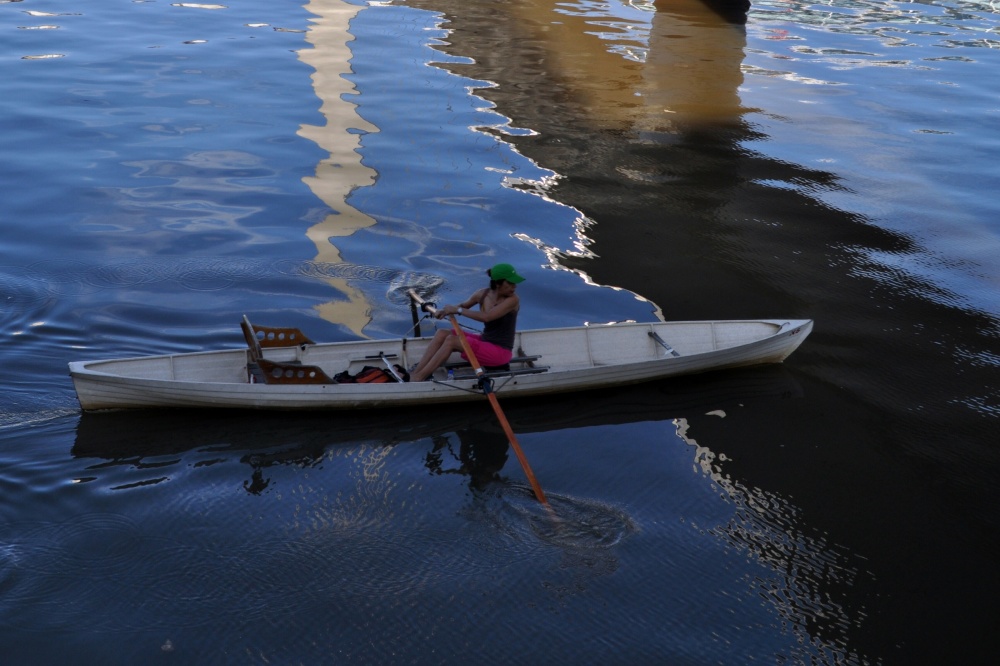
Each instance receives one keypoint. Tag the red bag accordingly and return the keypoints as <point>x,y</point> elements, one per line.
<point>372,375</point>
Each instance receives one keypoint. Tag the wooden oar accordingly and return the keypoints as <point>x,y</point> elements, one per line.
<point>487,387</point>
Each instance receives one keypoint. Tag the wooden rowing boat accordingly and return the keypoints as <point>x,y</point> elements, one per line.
<point>283,369</point>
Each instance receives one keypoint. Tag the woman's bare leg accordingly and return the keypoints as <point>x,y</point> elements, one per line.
<point>437,353</point>
<point>432,349</point>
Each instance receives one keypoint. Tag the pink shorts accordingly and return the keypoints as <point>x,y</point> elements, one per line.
<point>487,353</point>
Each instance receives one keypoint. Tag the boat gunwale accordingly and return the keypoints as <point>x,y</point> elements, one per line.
<point>83,366</point>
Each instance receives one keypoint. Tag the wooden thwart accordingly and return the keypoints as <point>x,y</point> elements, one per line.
<point>523,365</point>
<point>496,368</point>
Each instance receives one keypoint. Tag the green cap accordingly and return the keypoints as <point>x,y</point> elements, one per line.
<point>505,272</point>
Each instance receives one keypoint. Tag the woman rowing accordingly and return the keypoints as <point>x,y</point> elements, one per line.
<point>498,306</point>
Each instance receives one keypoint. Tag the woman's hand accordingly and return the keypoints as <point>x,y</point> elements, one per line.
<point>446,311</point>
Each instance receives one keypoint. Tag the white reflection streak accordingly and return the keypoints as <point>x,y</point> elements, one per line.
<point>339,174</point>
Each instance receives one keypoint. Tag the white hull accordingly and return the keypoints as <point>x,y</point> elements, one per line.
<point>577,358</point>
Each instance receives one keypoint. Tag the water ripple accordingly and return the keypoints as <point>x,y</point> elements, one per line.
<point>56,568</point>
<point>94,543</point>
<point>26,289</point>
<point>20,290</point>
<point>35,407</point>
<point>893,23</point>
<point>568,522</point>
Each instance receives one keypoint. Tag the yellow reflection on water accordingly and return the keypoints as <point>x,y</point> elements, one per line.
<point>337,175</point>
<point>678,68</point>
<point>693,69</point>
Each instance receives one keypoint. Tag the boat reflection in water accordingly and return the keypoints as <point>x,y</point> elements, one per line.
<point>343,482</point>
<point>142,448</point>
<point>463,441</point>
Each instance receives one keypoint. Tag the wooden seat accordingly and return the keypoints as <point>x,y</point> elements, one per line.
<point>274,336</point>
<point>263,371</point>
<point>274,372</point>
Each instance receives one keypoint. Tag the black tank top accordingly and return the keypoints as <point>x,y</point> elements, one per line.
<point>501,331</point>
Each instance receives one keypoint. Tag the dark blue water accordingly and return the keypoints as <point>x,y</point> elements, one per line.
<point>168,167</point>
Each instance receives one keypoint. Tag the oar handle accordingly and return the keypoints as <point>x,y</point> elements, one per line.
<point>425,306</point>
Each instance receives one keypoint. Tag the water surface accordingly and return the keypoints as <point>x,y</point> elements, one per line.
<point>168,167</point>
